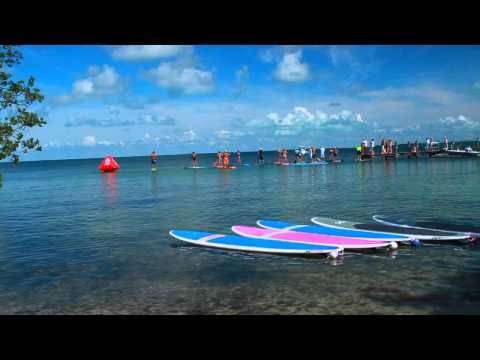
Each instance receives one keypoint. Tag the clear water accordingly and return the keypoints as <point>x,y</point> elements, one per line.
<point>75,241</point>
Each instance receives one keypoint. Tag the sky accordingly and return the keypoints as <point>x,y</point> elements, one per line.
<point>175,99</point>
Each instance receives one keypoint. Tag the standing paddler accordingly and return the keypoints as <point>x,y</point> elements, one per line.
<point>153,160</point>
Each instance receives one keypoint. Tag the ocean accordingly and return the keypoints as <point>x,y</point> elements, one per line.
<point>76,241</point>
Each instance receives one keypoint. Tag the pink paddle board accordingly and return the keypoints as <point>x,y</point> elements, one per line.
<point>311,238</point>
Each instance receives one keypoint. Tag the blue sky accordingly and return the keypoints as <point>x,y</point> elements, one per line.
<point>130,100</point>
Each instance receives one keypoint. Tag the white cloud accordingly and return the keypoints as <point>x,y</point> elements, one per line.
<point>179,79</point>
<point>459,121</point>
<point>223,134</point>
<point>105,142</point>
<point>146,136</point>
<point>342,54</point>
<point>301,120</point>
<point>148,52</point>
<point>99,82</point>
<point>291,69</point>
<point>89,141</point>
<point>188,136</point>
<point>83,87</point>
<point>242,74</point>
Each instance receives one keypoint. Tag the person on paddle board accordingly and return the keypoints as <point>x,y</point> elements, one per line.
<point>239,161</point>
<point>219,161</point>
<point>359,152</point>
<point>260,159</point>
<point>194,159</point>
<point>153,158</point>
<point>226,160</point>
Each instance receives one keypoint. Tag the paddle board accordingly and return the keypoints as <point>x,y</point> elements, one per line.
<point>309,238</point>
<point>447,231</point>
<point>372,227</point>
<point>318,229</point>
<point>232,242</point>
<point>194,167</point>
<point>224,168</point>
<point>315,163</point>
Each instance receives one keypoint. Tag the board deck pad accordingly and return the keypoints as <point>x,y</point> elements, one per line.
<point>345,242</point>
<point>233,242</point>
<point>318,229</point>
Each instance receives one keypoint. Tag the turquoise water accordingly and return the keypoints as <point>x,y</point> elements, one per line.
<point>75,241</point>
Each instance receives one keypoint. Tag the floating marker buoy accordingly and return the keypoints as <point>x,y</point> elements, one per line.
<point>108,164</point>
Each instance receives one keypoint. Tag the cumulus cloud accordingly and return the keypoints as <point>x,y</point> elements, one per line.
<point>180,79</point>
<point>291,69</point>
<point>100,81</point>
<point>147,119</point>
<point>301,120</point>
<point>460,121</point>
<point>188,136</point>
<point>148,52</point>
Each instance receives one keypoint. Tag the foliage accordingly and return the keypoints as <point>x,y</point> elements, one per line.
<point>15,98</point>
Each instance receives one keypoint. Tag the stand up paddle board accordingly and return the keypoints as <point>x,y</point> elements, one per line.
<point>232,242</point>
<point>224,168</point>
<point>447,230</point>
<point>318,229</point>
<point>418,234</point>
<point>194,167</point>
<point>315,163</point>
<point>309,238</point>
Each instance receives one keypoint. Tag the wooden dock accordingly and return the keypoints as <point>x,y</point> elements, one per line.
<point>409,155</point>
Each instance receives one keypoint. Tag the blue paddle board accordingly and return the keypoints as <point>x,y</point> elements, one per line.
<point>317,229</point>
<point>241,243</point>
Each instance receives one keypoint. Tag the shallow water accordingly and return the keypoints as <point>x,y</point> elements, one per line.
<point>73,240</point>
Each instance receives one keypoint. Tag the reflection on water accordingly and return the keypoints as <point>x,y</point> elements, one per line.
<point>154,184</point>
<point>109,181</point>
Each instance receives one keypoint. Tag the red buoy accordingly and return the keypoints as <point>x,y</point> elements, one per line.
<point>108,164</point>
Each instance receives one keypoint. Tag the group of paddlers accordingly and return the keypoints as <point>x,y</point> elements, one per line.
<point>311,154</point>
<point>223,159</point>
<point>366,148</point>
